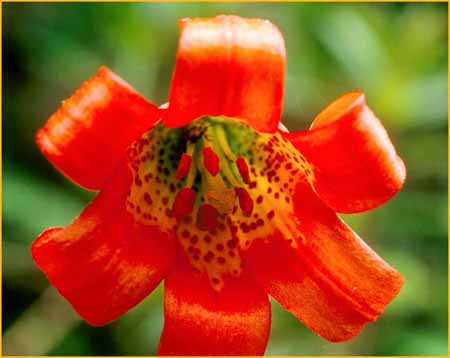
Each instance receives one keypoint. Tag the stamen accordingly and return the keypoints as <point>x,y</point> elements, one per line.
<point>216,192</point>
<point>207,217</point>
<point>229,174</point>
<point>231,186</point>
<point>192,168</point>
<point>226,170</point>
<point>211,160</point>
<point>183,203</point>
<point>243,169</point>
<point>208,180</point>
<point>245,201</point>
<point>183,166</point>
<point>223,142</point>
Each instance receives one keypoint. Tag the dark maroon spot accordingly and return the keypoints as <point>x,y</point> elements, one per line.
<point>185,234</point>
<point>148,199</point>
<point>219,247</point>
<point>244,227</point>
<point>215,281</point>
<point>209,256</point>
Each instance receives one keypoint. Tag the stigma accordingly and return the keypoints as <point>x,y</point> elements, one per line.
<point>217,185</point>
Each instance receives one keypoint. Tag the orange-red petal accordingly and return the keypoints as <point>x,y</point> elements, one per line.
<point>333,281</point>
<point>87,136</point>
<point>199,320</point>
<point>355,164</point>
<point>228,66</point>
<point>104,263</point>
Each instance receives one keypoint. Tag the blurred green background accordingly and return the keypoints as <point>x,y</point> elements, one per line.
<point>395,52</point>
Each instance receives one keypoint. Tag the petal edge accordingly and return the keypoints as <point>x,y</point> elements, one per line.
<point>355,164</point>
<point>333,281</point>
<point>103,263</point>
<point>198,320</point>
<point>102,117</point>
<point>228,66</point>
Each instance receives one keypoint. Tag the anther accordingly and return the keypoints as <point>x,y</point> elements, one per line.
<point>183,203</point>
<point>207,217</point>
<point>243,169</point>
<point>183,166</point>
<point>211,160</point>
<point>245,201</point>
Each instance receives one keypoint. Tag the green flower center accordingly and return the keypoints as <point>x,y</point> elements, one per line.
<point>217,185</point>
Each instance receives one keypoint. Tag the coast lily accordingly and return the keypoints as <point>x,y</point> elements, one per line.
<point>210,196</point>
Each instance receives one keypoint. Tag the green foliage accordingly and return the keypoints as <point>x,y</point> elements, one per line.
<point>396,53</point>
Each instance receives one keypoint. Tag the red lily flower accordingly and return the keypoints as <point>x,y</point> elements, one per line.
<point>210,196</point>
